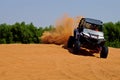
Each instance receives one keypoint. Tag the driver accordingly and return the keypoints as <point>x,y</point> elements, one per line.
<point>94,27</point>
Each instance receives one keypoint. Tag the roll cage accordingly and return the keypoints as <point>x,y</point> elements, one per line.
<point>92,24</point>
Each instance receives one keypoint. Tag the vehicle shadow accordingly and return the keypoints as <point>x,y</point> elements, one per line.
<point>82,52</point>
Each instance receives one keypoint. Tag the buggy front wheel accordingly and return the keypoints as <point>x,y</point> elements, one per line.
<point>76,47</point>
<point>70,42</point>
<point>104,52</point>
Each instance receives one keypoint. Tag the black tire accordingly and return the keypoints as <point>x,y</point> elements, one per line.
<point>76,47</point>
<point>104,52</point>
<point>70,42</point>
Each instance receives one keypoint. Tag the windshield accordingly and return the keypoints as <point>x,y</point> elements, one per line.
<point>93,26</point>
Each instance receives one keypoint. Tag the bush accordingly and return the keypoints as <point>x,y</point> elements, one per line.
<point>112,34</point>
<point>2,41</point>
<point>21,33</point>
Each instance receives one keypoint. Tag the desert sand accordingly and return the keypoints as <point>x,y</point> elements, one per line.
<point>54,62</point>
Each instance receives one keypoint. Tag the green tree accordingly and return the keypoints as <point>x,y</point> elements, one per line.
<point>112,34</point>
<point>5,34</point>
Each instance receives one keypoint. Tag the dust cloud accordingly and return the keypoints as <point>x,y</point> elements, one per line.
<point>63,29</point>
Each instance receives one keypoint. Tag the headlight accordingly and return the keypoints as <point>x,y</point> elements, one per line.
<point>94,36</point>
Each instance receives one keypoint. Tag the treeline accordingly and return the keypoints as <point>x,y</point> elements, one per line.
<point>28,33</point>
<point>21,33</point>
<point>112,34</point>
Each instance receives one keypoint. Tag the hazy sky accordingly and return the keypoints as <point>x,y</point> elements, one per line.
<point>46,12</point>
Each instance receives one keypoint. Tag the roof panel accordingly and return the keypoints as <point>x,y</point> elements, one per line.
<point>94,21</point>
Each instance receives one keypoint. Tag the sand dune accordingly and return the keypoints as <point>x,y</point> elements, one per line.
<point>53,62</point>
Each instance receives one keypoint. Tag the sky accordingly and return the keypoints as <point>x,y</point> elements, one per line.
<point>43,13</point>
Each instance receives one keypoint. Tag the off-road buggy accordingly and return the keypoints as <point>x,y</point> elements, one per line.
<point>89,34</point>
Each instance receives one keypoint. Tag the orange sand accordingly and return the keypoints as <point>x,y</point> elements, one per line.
<point>53,62</point>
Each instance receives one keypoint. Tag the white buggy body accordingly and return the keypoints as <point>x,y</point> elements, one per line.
<point>89,34</point>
